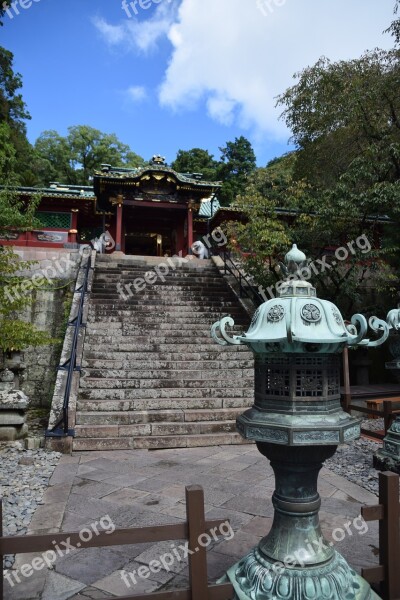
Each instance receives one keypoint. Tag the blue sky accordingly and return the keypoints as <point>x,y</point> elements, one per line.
<point>180,73</point>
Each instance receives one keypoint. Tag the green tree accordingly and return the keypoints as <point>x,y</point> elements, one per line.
<point>394,28</point>
<point>16,334</point>
<point>13,114</point>
<point>73,159</point>
<point>54,158</point>
<point>345,120</point>
<point>197,160</point>
<point>279,210</point>
<point>237,162</point>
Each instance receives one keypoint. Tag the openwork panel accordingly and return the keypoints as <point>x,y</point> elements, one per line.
<point>309,382</point>
<point>277,382</point>
<point>55,220</point>
<point>333,382</point>
<point>310,361</point>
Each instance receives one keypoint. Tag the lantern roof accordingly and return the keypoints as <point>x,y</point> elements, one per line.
<point>299,321</point>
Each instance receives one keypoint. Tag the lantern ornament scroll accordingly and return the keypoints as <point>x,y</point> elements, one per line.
<point>297,423</point>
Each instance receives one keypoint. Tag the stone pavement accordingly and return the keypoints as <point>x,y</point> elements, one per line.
<point>140,488</point>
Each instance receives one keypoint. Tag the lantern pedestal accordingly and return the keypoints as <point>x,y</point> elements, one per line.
<point>294,561</point>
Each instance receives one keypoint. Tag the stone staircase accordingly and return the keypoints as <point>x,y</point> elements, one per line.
<point>152,377</point>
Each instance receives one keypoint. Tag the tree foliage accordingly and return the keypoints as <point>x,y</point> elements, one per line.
<point>73,159</point>
<point>16,333</point>
<point>238,161</point>
<point>279,210</point>
<point>13,114</point>
<point>197,160</point>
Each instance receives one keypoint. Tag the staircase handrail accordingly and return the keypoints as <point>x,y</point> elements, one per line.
<point>246,287</point>
<point>61,427</point>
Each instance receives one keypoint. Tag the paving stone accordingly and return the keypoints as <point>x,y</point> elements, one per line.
<point>57,493</point>
<point>48,516</point>
<point>258,526</point>
<point>28,589</point>
<point>92,565</point>
<point>252,506</point>
<point>93,489</point>
<point>60,587</point>
<point>91,593</point>
<point>126,496</point>
<point>115,585</point>
<point>157,573</point>
<point>164,551</point>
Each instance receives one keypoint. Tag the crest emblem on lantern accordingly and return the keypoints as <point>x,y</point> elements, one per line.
<point>276,313</point>
<point>311,313</point>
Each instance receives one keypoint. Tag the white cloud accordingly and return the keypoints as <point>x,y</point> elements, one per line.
<point>113,34</point>
<point>236,56</point>
<point>136,93</point>
<point>236,59</point>
<point>142,35</point>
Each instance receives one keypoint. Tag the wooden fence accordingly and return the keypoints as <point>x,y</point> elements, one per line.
<point>389,407</point>
<point>387,573</point>
<point>195,526</point>
<point>387,512</point>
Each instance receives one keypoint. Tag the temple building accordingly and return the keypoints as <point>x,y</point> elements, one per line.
<point>149,211</point>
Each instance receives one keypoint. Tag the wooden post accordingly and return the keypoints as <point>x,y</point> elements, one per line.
<point>118,235</point>
<point>190,229</point>
<point>346,380</point>
<point>389,534</point>
<point>197,560</point>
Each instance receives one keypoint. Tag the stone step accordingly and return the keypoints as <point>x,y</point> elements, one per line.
<point>181,313</point>
<point>164,374</point>
<point>152,376</point>
<point>154,429</point>
<point>154,296</point>
<point>161,301</point>
<point>128,364</point>
<point>190,355</point>
<point>155,384</point>
<point>118,329</point>
<point>160,398</point>
<point>195,336</point>
<point>107,321</point>
<point>180,347</point>
<point>154,443</point>
<point>139,286</point>
<point>157,416</point>
<point>157,278</point>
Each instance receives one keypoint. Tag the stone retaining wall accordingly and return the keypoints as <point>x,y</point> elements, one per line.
<point>49,311</point>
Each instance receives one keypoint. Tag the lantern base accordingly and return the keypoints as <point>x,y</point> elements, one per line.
<point>255,577</point>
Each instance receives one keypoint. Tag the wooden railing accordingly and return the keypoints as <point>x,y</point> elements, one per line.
<point>387,512</point>
<point>192,530</point>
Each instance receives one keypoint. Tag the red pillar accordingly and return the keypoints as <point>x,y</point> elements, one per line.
<point>118,234</point>
<point>190,229</point>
